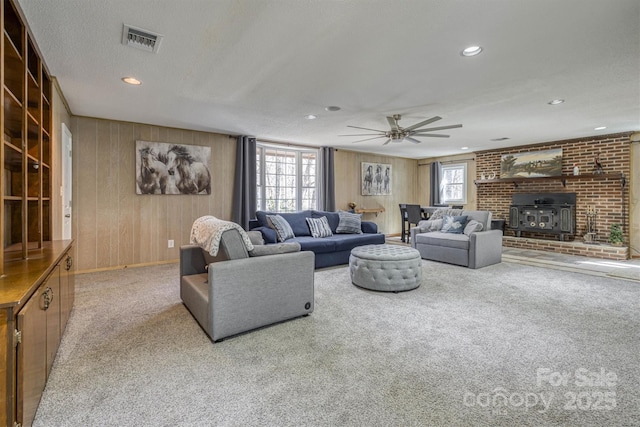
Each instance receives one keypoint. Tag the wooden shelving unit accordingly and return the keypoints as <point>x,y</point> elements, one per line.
<point>25,120</point>
<point>561,178</point>
<point>36,276</point>
<point>369,210</point>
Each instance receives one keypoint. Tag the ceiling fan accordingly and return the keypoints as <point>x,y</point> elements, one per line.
<point>399,134</point>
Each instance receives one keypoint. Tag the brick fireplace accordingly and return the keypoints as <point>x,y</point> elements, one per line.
<point>605,193</point>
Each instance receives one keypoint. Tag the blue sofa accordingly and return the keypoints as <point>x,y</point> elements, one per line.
<point>332,250</point>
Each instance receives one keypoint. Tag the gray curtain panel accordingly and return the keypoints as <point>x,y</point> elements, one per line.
<point>245,185</point>
<point>436,177</point>
<point>326,188</point>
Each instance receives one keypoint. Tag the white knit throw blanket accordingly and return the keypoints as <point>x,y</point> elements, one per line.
<point>206,232</point>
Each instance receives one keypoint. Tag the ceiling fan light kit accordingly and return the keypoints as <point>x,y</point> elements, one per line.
<point>399,134</point>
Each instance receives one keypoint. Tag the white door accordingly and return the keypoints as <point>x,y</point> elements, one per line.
<point>66,182</point>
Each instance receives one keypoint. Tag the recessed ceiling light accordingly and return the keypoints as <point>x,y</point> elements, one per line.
<point>310,117</point>
<point>332,108</point>
<point>131,81</point>
<point>464,148</point>
<point>471,51</point>
<point>556,102</point>
<point>600,128</point>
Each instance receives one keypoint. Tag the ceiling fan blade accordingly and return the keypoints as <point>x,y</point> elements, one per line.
<point>424,123</point>
<point>434,135</point>
<point>363,134</point>
<point>436,128</point>
<point>393,123</point>
<point>358,127</point>
<point>415,141</point>
<point>368,139</point>
<point>387,141</point>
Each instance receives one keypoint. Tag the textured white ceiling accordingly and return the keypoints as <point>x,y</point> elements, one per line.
<point>257,67</point>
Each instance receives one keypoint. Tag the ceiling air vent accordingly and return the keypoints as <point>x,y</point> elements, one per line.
<point>141,39</point>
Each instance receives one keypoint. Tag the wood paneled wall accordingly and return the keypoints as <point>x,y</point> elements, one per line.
<point>404,187</point>
<point>115,227</point>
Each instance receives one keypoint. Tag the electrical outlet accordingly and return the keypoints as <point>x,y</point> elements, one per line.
<point>170,244</point>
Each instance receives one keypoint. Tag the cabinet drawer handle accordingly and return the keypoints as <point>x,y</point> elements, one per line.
<point>48,297</point>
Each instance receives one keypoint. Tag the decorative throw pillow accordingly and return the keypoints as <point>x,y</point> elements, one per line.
<point>442,212</point>
<point>430,225</point>
<point>454,224</point>
<point>350,223</point>
<point>319,227</point>
<point>472,226</point>
<point>436,225</point>
<point>281,226</point>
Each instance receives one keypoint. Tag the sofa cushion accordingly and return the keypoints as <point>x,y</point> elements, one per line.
<point>319,246</point>
<point>454,224</point>
<point>483,217</point>
<point>255,237</point>
<point>369,227</point>
<point>430,225</point>
<point>332,217</point>
<point>297,220</point>
<point>268,233</point>
<point>346,242</point>
<point>448,240</point>
<point>350,223</point>
<point>319,227</point>
<point>280,248</point>
<point>472,226</point>
<point>440,213</point>
<point>282,227</point>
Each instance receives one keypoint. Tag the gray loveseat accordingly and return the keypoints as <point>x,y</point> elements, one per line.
<point>474,247</point>
<point>237,291</point>
<point>332,250</point>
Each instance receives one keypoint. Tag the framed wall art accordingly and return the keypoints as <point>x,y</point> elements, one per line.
<point>376,179</point>
<point>532,164</point>
<point>163,168</point>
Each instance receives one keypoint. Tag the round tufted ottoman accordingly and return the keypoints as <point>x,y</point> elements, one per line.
<point>390,268</point>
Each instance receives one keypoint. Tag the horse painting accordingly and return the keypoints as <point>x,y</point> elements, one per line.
<point>190,176</point>
<point>376,179</point>
<point>367,181</point>
<point>387,180</point>
<point>153,172</point>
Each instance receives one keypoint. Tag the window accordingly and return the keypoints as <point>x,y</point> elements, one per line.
<point>286,178</point>
<point>454,184</point>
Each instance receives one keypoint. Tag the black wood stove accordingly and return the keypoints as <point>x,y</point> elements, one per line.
<point>553,213</point>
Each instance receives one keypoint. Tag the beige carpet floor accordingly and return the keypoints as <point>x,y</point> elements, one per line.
<point>506,345</point>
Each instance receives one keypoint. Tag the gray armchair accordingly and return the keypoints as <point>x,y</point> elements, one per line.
<point>238,291</point>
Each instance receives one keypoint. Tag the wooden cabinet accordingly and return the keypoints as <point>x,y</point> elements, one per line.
<point>36,298</point>
<point>32,355</point>
<point>36,281</point>
<point>25,158</point>
<point>67,291</point>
